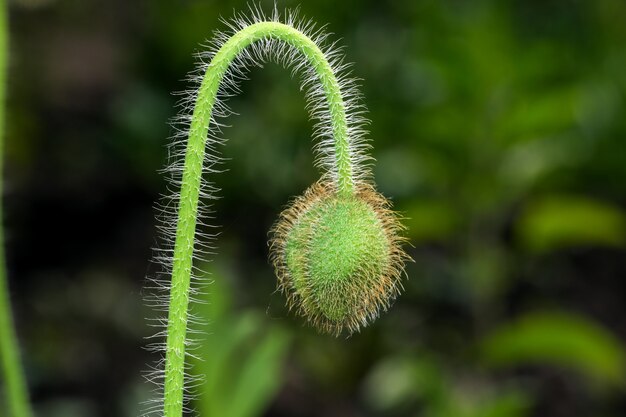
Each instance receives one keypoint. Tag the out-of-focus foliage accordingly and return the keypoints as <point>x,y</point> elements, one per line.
<point>559,339</point>
<point>561,221</point>
<point>498,129</point>
<point>422,387</point>
<point>239,357</point>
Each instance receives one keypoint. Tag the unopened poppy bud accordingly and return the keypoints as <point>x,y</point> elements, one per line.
<point>338,257</point>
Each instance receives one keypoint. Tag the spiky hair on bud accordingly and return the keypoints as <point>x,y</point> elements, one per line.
<point>339,258</point>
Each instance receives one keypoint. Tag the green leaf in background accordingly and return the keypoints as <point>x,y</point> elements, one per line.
<point>239,356</point>
<point>422,384</point>
<point>260,377</point>
<point>563,221</point>
<point>508,404</point>
<point>398,382</point>
<point>502,402</point>
<point>558,339</point>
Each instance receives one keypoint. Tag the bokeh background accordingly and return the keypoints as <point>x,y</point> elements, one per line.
<point>498,129</point>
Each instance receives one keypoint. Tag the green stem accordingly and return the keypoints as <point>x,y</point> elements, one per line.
<point>194,157</point>
<point>14,385</point>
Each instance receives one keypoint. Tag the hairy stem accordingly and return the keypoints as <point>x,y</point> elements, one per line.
<point>190,188</point>
<point>13,380</point>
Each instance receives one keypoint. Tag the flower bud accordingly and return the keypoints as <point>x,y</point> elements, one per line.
<point>338,257</point>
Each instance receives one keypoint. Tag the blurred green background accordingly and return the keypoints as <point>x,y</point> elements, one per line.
<point>499,131</point>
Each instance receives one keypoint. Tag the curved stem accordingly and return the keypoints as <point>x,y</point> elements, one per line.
<point>13,381</point>
<point>194,157</point>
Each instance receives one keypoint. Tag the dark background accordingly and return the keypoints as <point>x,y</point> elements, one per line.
<point>498,129</point>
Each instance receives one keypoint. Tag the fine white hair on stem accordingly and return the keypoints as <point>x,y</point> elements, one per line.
<point>266,49</point>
